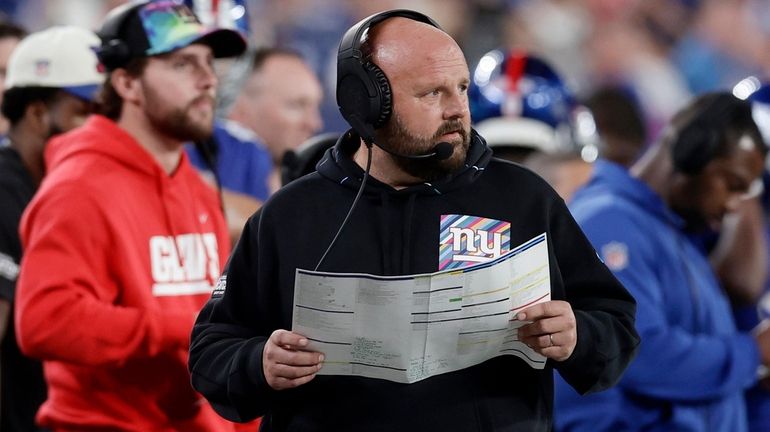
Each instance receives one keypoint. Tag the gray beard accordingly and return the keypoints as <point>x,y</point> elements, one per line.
<point>395,137</point>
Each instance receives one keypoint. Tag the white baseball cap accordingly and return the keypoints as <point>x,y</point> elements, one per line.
<point>60,57</point>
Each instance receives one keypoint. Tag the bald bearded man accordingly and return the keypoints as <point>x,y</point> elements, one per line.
<point>427,166</point>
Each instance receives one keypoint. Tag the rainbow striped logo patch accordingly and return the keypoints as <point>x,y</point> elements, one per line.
<point>466,240</point>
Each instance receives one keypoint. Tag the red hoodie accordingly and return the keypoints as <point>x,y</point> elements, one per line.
<point>119,258</point>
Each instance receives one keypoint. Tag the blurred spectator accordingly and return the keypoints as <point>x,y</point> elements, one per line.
<point>565,172</point>
<point>693,365</point>
<point>620,125</point>
<point>313,28</point>
<point>51,81</point>
<point>232,159</point>
<point>239,166</point>
<point>279,102</point>
<point>274,111</point>
<point>124,242</point>
<point>739,253</point>
<point>10,35</point>
<point>741,259</point>
<point>739,250</point>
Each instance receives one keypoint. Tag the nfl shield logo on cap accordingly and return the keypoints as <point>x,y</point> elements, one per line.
<point>58,57</point>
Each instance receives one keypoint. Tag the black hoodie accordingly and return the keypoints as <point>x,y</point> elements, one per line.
<point>394,232</point>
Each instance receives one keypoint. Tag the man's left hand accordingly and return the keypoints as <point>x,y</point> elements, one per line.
<point>552,331</point>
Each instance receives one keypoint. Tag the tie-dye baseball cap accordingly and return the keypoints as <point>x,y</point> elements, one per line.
<point>148,28</point>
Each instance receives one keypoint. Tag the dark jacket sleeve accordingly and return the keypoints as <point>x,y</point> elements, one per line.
<point>604,310</point>
<point>10,245</point>
<point>230,334</point>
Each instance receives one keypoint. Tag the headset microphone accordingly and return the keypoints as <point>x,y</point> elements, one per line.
<point>440,151</point>
<point>443,150</point>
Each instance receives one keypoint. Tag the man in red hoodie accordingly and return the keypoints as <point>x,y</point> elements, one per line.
<point>124,241</point>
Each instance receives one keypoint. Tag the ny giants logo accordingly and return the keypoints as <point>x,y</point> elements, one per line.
<point>466,243</point>
<point>467,240</point>
<point>184,265</point>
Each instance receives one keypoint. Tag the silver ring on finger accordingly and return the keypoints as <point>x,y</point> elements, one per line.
<point>550,337</point>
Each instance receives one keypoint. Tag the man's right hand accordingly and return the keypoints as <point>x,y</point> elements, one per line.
<point>286,364</point>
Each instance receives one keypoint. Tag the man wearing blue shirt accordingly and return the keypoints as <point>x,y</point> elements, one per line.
<point>239,166</point>
<point>243,163</point>
<point>693,364</point>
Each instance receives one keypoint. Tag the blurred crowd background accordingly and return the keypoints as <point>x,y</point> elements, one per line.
<point>660,52</point>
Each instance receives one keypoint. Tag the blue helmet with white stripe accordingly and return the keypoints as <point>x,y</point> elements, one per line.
<point>518,100</point>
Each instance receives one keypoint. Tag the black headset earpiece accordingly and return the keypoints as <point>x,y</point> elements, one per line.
<point>698,141</point>
<point>363,91</point>
<point>114,51</point>
<point>113,54</point>
<point>377,76</point>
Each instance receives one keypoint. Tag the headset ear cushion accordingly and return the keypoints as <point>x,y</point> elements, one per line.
<point>386,96</point>
<point>694,148</point>
<point>113,54</point>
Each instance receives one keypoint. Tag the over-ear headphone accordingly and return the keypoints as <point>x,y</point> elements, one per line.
<point>115,52</point>
<point>363,91</point>
<point>698,140</point>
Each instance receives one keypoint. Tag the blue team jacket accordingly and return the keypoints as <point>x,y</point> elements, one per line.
<point>243,163</point>
<point>693,365</point>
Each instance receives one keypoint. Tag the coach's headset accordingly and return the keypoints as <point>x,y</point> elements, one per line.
<point>699,139</point>
<point>363,91</point>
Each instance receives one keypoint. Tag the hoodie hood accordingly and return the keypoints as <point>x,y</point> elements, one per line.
<point>103,138</point>
<point>338,165</point>
<point>100,144</point>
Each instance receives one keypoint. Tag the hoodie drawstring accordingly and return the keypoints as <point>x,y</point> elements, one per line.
<point>176,237</point>
<point>167,217</point>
